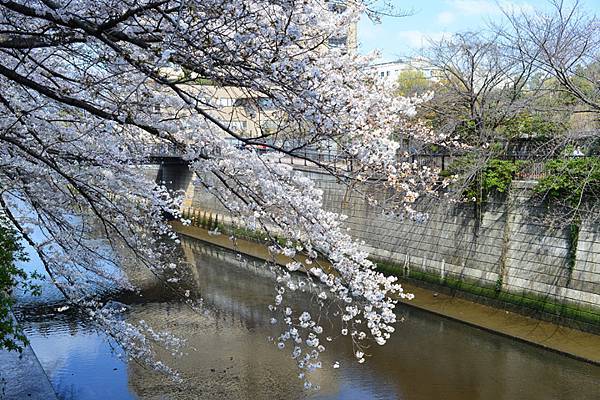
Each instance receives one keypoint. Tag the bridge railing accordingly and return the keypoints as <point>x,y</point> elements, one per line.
<point>532,169</point>
<point>161,150</point>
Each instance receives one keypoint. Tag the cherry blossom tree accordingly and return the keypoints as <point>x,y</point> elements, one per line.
<point>86,85</point>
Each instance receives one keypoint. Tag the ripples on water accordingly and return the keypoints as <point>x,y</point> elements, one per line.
<point>229,357</point>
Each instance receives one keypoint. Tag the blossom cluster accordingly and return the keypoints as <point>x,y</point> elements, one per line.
<point>86,86</point>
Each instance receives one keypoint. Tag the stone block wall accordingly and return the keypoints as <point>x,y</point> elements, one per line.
<point>510,245</point>
<point>505,245</point>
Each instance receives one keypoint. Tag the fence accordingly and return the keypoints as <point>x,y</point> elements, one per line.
<point>319,158</point>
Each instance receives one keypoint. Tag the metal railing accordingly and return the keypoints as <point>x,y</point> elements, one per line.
<point>161,150</point>
<point>316,158</point>
<point>533,170</point>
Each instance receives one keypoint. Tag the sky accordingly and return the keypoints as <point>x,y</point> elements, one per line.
<point>402,37</point>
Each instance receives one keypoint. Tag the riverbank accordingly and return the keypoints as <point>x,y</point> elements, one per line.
<point>502,254</point>
<point>577,344</point>
<point>22,377</point>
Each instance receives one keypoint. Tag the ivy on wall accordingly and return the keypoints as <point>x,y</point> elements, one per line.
<point>574,183</point>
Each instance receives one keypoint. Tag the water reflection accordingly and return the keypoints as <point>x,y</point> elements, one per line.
<point>230,358</point>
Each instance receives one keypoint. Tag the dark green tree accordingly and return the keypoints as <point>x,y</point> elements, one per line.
<point>11,277</point>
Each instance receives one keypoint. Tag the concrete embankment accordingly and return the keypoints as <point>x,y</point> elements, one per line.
<point>22,377</point>
<point>504,252</point>
<point>571,342</point>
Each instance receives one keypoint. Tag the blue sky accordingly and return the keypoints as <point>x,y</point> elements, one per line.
<point>398,37</point>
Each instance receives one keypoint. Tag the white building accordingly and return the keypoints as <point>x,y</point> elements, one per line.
<point>389,71</point>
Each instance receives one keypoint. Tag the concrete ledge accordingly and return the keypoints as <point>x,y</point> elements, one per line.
<point>570,342</point>
<point>22,377</point>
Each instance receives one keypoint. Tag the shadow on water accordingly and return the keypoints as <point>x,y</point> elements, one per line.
<point>229,357</point>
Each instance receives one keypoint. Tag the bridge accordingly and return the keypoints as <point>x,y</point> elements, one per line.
<point>168,153</point>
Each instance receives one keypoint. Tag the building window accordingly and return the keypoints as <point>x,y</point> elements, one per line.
<point>338,41</point>
<point>238,126</point>
<point>225,102</point>
<point>337,6</point>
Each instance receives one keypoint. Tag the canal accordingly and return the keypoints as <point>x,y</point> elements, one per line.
<point>228,355</point>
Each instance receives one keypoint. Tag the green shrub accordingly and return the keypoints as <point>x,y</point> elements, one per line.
<point>11,276</point>
<point>531,125</point>
<point>570,180</point>
<point>495,176</point>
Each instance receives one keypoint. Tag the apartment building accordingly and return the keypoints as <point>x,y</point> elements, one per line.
<point>389,71</point>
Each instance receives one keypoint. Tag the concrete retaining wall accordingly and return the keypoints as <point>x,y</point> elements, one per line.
<point>510,246</point>
<point>505,246</point>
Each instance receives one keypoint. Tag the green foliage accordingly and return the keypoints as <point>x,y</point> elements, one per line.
<point>244,233</point>
<point>570,180</point>
<point>467,130</point>
<point>496,175</point>
<point>498,285</point>
<point>460,166</point>
<point>204,81</point>
<point>528,125</point>
<point>11,338</point>
<point>433,148</point>
<point>192,77</point>
<point>412,82</point>
<point>583,84</point>
<point>467,127</point>
<point>574,228</point>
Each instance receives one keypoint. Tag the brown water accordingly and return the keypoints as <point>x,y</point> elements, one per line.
<point>229,356</point>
